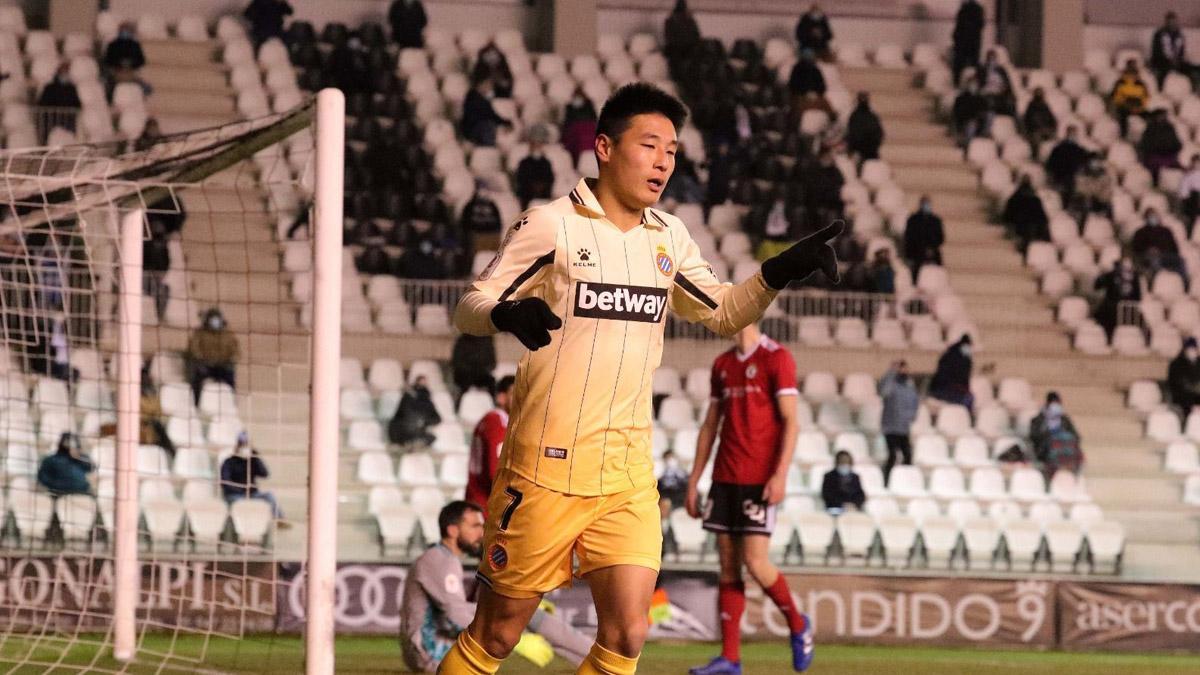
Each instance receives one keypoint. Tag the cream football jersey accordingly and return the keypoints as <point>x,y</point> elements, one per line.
<point>581,415</point>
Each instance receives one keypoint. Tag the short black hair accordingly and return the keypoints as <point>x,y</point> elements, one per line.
<point>843,453</point>
<point>505,384</point>
<point>638,98</point>
<point>453,513</point>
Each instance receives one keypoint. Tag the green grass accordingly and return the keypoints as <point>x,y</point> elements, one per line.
<point>276,654</point>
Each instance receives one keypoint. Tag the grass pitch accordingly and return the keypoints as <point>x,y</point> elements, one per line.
<point>284,654</point>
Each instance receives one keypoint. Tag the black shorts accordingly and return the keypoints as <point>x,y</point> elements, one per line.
<point>738,509</point>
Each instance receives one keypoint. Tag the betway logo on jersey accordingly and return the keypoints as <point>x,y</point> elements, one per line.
<point>595,300</point>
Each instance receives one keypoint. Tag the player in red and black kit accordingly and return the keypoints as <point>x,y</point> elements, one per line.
<point>485,447</point>
<point>753,404</point>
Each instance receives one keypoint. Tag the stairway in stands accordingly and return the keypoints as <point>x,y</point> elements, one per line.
<point>1018,332</point>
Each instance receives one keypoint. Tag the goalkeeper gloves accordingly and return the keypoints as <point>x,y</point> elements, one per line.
<point>530,320</point>
<point>806,256</point>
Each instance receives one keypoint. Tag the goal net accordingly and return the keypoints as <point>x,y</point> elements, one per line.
<point>224,358</point>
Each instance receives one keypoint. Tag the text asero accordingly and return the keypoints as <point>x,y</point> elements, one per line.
<point>595,300</point>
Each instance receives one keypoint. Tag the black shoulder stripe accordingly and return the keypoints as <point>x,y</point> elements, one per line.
<point>575,198</point>
<point>693,291</point>
<point>529,272</point>
<point>658,218</point>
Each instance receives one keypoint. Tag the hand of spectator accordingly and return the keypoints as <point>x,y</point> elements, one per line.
<point>530,320</point>
<point>805,257</point>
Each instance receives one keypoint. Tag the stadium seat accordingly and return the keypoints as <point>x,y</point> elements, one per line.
<point>186,431</point>
<point>834,417</point>
<point>1191,490</point>
<point>356,404</point>
<point>251,519</point>
<point>962,509</point>
<point>981,538</point>
<point>206,519</point>
<point>452,474</point>
<point>820,386</point>
<point>871,477</point>
<point>816,530</point>
<point>375,468</point>
<point>1027,485</point>
<point>939,534</point>
<point>1045,513</point>
<point>164,519</point>
<point>931,450</point>
<point>689,535</point>
<point>1144,396</point>
<point>987,483</point>
<point>880,507</point>
<point>76,515</point>
<point>898,536</point>
<point>1067,488</point>
<point>971,452</point>
<point>1106,541</point>
<point>396,524</point>
<point>1163,426</point>
<point>448,438</point>
<point>1023,540</point>
<point>1085,513</point>
<point>921,508</point>
<point>854,443</point>
<point>474,404</point>
<point>417,470</point>
<point>946,482</point>
<point>675,413</point>
<point>366,435</point>
<point>907,481</point>
<point>856,533</point>
<point>1004,510</point>
<point>193,463</point>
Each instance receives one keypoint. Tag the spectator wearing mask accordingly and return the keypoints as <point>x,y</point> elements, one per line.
<point>967,37</point>
<point>123,57</point>
<point>814,34</point>
<point>266,19</point>
<point>952,379</point>
<point>1056,442</point>
<point>492,65</point>
<point>1094,187</point>
<point>969,113</point>
<point>347,67</point>
<point>421,261</point>
<point>1189,194</point>
<point>408,21</point>
<point>414,416</point>
<point>681,33</point>
<point>1120,284</point>
<point>480,221</point>
<point>1025,215</point>
<point>472,360</point>
<point>1129,95</point>
<point>864,131</point>
<point>485,445</point>
<point>901,401</point>
<point>156,262</point>
<point>923,237</point>
<point>535,174</point>
<point>881,276</point>
<point>480,121</point>
<point>578,125</point>
<point>672,485</point>
<point>1168,50</point>
<point>60,92</point>
<point>841,487</point>
<point>1065,162</point>
<point>152,429</point>
<point>1159,145</point>
<point>995,86</point>
<point>212,353</point>
<point>1154,236</point>
<point>239,478</point>
<point>1039,121</point>
<point>1183,378</point>
<point>373,260</point>
<point>68,471</point>
<point>805,77</point>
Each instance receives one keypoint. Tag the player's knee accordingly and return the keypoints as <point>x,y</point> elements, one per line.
<point>498,641</point>
<point>627,638</point>
<point>761,568</point>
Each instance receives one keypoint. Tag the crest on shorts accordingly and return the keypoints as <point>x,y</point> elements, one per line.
<point>497,557</point>
<point>663,262</point>
<point>751,371</point>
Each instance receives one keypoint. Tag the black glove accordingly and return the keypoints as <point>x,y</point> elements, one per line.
<point>531,320</point>
<point>806,256</point>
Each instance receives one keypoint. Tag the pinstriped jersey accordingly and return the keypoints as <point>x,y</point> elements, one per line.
<point>580,417</point>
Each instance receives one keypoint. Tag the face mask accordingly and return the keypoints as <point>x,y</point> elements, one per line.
<point>426,247</point>
<point>1054,409</point>
<point>672,463</point>
<point>1191,353</point>
<point>843,469</point>
<point>215,323</point>
<point>966,350</point>
<point>925,208</point>
<point>577,101</point>
<point>1152,220</point>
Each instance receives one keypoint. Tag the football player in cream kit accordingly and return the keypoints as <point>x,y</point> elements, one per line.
<point>585,282</point>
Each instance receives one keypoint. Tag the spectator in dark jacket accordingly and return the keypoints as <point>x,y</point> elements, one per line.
<point>1154,248</point>
<point>720,175</point>
<point>1189,194</point>
<point>881,276</point>
<point>347,67</point>
<point>1056,442</point>
<point>1040,123</point>
<point>1065,161</point>
<point>421,261</point>
<point>60,92</point>
<point>578,125</point>
<point>952,379</point>
<point>480,223</point>
<point>240,473</point>
<point>968,36</point>
<point>156,262</point>
<point>1168,50</point>
<point>1183,377</point>
<point>841,487</point>
<point>813,32</point>
<point>491,64</point>
<point>864,131</point>
<point>472,361</point>
<point>970,113</point>
<point>1159,145</point>
<point>66,472</point>
<point>266,19</point>
<point>480,121</point>
<point>373,260</point>
<point>408,21</point>
<point>414,416</point>
<point>1094,187</point>
<point>995,86</point>
<point>1120,284</point>
<point>681,34</point>
<point>806,77</point>
<point>535,174</point>
<point>1025,215</point>
<point>124,53</point>
<point>901,401</point>
<point>923,237</point>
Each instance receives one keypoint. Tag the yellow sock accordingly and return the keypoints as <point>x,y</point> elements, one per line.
<point>467,657</point>
<point>600,661</point>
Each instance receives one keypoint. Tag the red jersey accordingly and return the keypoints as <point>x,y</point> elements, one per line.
<point>745,386</point>
<point>485,456</point>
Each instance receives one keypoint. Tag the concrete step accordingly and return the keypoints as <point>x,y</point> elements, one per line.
<point>1157,526</point>
<point>229,258</point>
<point>914,130</point>
<point>878,79</point>
<point>191,102</point>
<point>889,104</point>
<point>1178,562</point>
<point>176,123</point>
<point>901,154</point>
<point>1120,492</point>
<point>197,76</point>
<point>1029,339</point>
<point>951,205</point>
<point>254,227</point>
<point>989,256</point>
<point>935,179</point>
<point>1105,427</point>
<point>179,52</point>
<point>1119,462</point>
<point>983,283</point>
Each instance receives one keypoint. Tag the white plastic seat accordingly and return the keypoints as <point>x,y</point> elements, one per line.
<point>907,481</point>
<point>882,506</point>
<point>834,417</point>
<point>1106,541</point>
<point>931,450</point>
<point>251,519</point>
<point>1027,485</point>
<point>987,483</point>
<point>856,532</point>
<point>665,381</point>
<point>921,508</point>
<point>871,478</point>
<point>186,431</point>
<point>164,519</point>
<point>946,482</point>
<point>898,535</point>
<point>675,413</point>
<point>1086,514</point>
<point>76,515</point>
<point>852,332</point>
<point>417,470</point>
<point>1144,396</point>
<point>1046,512</point>
<point>1182,457</point>
<point>376,468</point>
<point>816,530</point>
<point>396,524</point>
<point>962,509</point>
<point>1023,538</point>
<point>193,463</point>
<point>814,331</point>
<point>1064,540</point>
<point>474,404</point>
<point>689,533</point>
<point>206,518</point>
<point>812,447</point>
<point>820,386</point>
<point>452,473</point>
<point>1163,426</point>
<point>365,435</point>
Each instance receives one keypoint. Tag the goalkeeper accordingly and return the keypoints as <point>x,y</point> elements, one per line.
<point>435,608</point>
<point>584,283</point>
